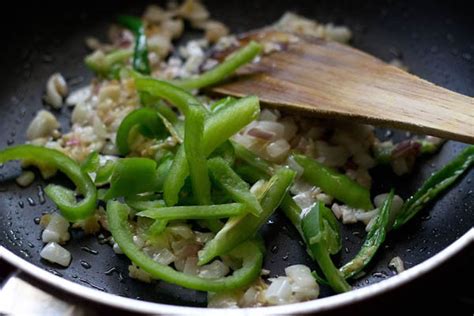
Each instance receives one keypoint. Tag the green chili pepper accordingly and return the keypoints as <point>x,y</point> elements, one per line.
<point>248,252</point>
<point>197,163</point>
<point>195,212</point>
<point>373,241</point>
<point>435,184</point>
<point>162,171</point>
<point>140,55</point>
<point>104,65</point>
<point>233,185</point>
<point>132,176</point>
<point>335,184</point>
<point>62,197</point>
<point>240,228</point>
<point>149,124</point>
<point>321,232</point>
<point>223,70</point>
<point>217,129</point>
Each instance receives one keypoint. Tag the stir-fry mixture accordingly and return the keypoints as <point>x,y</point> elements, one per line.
<point>181,183</point>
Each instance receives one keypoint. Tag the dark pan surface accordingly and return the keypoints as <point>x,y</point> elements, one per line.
<point>434,41</point>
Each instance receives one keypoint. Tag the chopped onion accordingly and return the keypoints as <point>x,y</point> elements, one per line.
<point>260,133</point>
<point>53,252</point>
<point>301,275</point>
<point>249,298</point>
<point>397,264</point>
<point>181,230</point>
<point>222,300</point>
<point>292,164</point>
<point>214,270</point>
<point>190,266</point>
<point>279,291</point>
<point>269,115</point>
<point>56,230</point>
<point>56,88</point>
<point>43,125</point>
<point>278,150</point>
<point>79,95</point>
<point>164,256</point>
<point>25,179</point>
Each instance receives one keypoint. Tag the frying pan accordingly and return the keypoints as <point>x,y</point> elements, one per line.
<point>433,40</point>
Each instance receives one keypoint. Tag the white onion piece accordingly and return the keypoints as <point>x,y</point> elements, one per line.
<point>79,95</point>
<point>53,252</point>
<point>56,230</point>
<point>190,266</point>
<point>366,217</point>
<point>272,127</point>
<point>249,298</point>
<point>269,115</point>
<point>304,200</point>
<point>182,231</point>
<point>164,256</point>
<point>222,300</point>
<point>279,291</point>
<point>56,88</point>
<point>301,275</point>
<point>214,270</point>
<point>260,133</point>
<point>292,164</point>
<point>116,248</point>
<point>25,178</point>
<point>43,125</point>
<point>397,264</point>
<point>278,149</point>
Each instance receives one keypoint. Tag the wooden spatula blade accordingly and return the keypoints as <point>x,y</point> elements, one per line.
<point>333,80</point>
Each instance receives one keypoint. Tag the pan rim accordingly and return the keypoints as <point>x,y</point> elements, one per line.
<point>317,305</point>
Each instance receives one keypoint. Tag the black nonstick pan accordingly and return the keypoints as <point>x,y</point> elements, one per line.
<point>434,40</point>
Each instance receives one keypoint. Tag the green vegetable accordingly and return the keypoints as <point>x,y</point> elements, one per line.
<point>233,185</point>
<point>335,184</point>
<point>132,176</point>
<point>104,173</point>
<point>241,228</point>
<point>195,212</point>
<point>252,159</point>
<point>373,241</point>
<point>197,163</point>
<point>92,162</point>
<point>217,130</point>
<point>321,232</point>
<point>64,198</point>
<point>435,184</point>
<point>180,98</point>
<point>222,103</point>
<point>248,252</point>
<point>104,65</point>
<point>223,70</point>
<point>148,122</point>
<point>140,54</point>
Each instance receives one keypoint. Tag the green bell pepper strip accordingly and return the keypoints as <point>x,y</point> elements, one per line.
<point>197,163</point>
<point>225,151</point>
<point>222,103</point>
<point>241,228</point>
<point>104,64</point>
<point>62,197</point>
<point>435,184</point>
<point>157,227</point>
<point>132,176</point>
<point>104,173</point>
<point>334,183</point>
<point>180,98</point>
<point>140,54</point>
<point>142,203</point>
<point>248,252</point>
<point>149,124</point>
<point>217,129</point>
<point>195,212</point>
<point>224,69</point>
<point>92,162</point>
<point>252,159</point>
<point>233,185</point>
<point>373,241</point>
<point>162,171</point>
<point>319,232</point>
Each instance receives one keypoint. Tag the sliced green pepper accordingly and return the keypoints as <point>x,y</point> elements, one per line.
<point>104,65</point>
<point>62,197</point>
<point>233,185</point>
<point>335,184</point>
<point>149,124</point>
<point>248,252</point>
<point>195,212</point>
<point>241,228</point>
<point>132,176</point>
<point>197,163</point>
<point>223,70</point>
<point>322,237</point>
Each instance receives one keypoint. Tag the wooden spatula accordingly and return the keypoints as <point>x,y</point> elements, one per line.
<point>333,80</point>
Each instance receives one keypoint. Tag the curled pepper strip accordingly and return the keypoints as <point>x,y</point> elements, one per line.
<point>140,54</point>
<point>64,198</point>
<point>248,252</point>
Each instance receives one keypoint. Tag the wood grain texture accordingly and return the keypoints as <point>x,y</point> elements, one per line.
<point>332,80</point>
